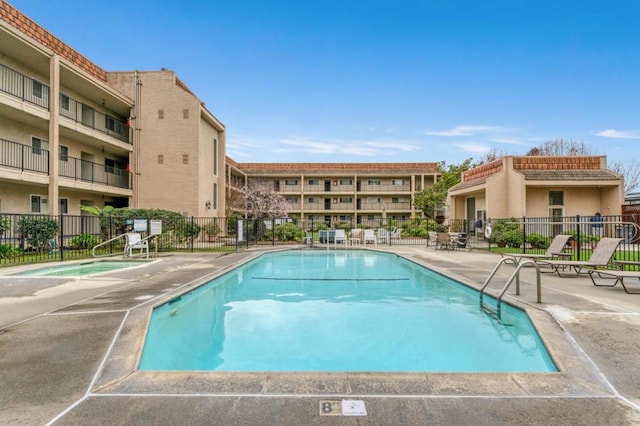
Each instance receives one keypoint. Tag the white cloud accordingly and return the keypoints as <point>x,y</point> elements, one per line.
<point>617,134</point>
<point>508,141</point>
<point>347,147</point>
<point>466,131</point>
<point>474,148</point>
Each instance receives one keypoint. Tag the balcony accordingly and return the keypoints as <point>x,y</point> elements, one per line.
<point>385,188</point>
<point>37,93</point>
<point>26,158</point>
<point>91,172</point>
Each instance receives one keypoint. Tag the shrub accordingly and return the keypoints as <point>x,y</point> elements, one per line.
<point>7,251</point>
<point>538,241</point>
<point>37,231</point>
<point>507,233</point>
<point>83,242</point>
<point>288,232</point>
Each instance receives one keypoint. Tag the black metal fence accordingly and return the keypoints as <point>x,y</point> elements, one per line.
<point>41,238</point>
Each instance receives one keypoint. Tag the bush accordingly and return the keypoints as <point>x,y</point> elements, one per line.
<point>84,242</point>
<point>288,232</point>
<point>7,251</point>
<point>37,231</point>
<point>538,241</point>
<point>507,233</point>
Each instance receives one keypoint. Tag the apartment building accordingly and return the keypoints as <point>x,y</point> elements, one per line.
<point>179,146</point>
<point>65,139</point>
<point>345,192</point>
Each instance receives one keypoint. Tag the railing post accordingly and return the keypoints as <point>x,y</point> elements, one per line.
<point>191,237</point>
<point>524,234</point>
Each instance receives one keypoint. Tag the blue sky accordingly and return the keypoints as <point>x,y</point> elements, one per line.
<point>381,81</point>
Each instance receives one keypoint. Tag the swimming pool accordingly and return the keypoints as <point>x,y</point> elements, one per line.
<point>340,311</point>
<point>81,269</point>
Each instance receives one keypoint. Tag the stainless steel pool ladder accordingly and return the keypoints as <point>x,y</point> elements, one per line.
<point>514,276</point>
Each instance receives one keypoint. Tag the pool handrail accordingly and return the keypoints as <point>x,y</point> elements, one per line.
<point>126,245</point>
<point>515,275</point>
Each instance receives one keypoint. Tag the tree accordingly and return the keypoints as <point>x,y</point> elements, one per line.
<point>435,196</point>
<point>631,173</point>
<point>559,147</point>
<point>263,202</point>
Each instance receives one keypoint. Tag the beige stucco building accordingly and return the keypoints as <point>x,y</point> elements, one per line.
<point>345,192</point>
<point>532,186</point>
<point>64,136</point>
<point>178,158</point>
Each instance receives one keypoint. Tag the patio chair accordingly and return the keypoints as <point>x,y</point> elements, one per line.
<point>617,275</point>
<point>554,251</point>
<point>461,240</point>
<point>443,241</point>
<point>136,242</point>
<point>600,257</point>
<point>369,236</point>
<point>433,238</point>
<point>340,236</point>
<point>382,236</point>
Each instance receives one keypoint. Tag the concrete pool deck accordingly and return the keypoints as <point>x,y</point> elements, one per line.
<point>69,347</point>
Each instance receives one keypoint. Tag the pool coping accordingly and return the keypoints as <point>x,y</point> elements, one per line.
<point>578,376</point>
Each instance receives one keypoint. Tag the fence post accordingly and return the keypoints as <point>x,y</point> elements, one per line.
<point>191,237</point>
<point>578,238</point>
<point>524,234</point>
<point>61,243</point>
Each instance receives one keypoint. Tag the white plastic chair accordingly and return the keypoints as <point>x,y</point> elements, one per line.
<point>340,236</point>
<point>369,236</point>
<point>135,242</point>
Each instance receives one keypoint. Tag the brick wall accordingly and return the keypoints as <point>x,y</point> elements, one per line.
<point>27,26</point>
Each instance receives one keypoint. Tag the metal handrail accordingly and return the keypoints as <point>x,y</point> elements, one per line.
<point>93,250</point>
<point>514,276</point>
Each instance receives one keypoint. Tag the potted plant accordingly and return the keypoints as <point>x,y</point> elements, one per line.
<point>537,241</point>
<point>211,230</point>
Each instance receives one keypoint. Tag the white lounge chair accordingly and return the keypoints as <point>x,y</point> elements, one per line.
<point>600,257</point>
<point>382,236</point>
<point>369,237</point>
<point>554,251</point>
<point>340,237</point>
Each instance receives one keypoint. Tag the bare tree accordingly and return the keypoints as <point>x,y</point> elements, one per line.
<point>631,173</point>
<point>559,147</point>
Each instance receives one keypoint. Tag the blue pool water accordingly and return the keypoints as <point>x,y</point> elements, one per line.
<point>347,311</point>
<point>80,269</point>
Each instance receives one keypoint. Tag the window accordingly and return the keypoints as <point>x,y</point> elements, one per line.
<point>292,200</point>
<point>314,182</point>
<point>113,167</point>
<point>346,200</point>
<point>64,102</point>
<point>291,182</point>
<point>374,200</point>
<point>160,159</point>
<point>215,157</point>
<point>185,113</point>
<point>64,206</point>
<point>38,145</point>
<point>110,123</point>
<point>397,181</point>
<point>36,89</point>
<point>346,182</point>
<point>39,204</point>
<point>215,195</point>
<point>375,182</point>
<point>394,200</point>
<point>64,153</point>
<point>160,114</point>
<point>312,200</point>
<point>556,198</point>
<point>185,158</point>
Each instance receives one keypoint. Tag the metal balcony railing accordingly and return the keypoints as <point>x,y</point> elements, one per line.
<point>37,93</point>
<point>23,157</point>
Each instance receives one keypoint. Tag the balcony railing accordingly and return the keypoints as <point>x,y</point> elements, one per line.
<point>23,87</point>
<point>23,157</point>
<point>87,171</point>
<point>385,188</point>
<point>26,158</point>
<point>37,93</point>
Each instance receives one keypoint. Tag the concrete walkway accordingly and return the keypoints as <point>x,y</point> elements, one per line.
<point>69,347</point>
